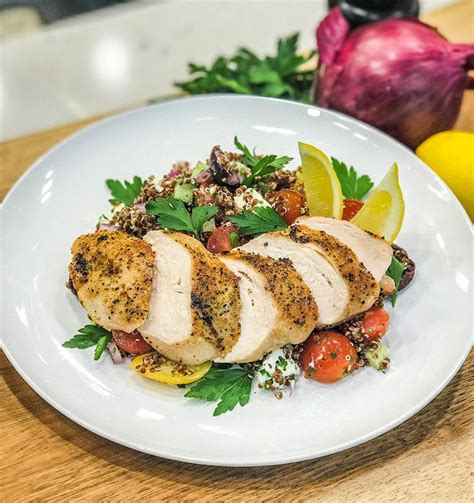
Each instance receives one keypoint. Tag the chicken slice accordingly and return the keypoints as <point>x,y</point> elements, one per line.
<point>195,304</point>
<point>374,252</point>
<point>339,283</point>
<point>111,272</point>
<point>277,306</point>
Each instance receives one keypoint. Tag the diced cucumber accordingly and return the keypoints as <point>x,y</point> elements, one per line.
<point>239,201</point>
<point>184,192</point>
<point>208,226</point>
<point>200,166</point>
<point>377,356</point>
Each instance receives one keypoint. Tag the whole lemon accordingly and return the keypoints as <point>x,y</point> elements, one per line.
<point>450,154</point>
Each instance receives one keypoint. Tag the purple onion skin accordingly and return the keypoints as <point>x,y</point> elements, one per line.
<point>399,75</point>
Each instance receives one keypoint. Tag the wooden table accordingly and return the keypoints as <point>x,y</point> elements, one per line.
<point>45,456</point>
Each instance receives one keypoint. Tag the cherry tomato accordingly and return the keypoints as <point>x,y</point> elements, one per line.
<point>287,204</point>
<point>328,357</point>
<point>222,239</point>
<point>375,322</point>
<point>132,342</point>
<point>351,208</point>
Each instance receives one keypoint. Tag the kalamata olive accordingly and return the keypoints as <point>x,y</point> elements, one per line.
<point>220,216</point>
<point>409,272</point>
<point>204,178</point>
<point>220,173</point>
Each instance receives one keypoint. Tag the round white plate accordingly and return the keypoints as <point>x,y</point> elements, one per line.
<point>64,193</point>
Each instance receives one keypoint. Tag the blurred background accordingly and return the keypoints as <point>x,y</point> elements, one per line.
<point>66,60</point>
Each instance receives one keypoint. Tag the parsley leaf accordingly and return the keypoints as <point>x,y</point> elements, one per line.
<point>88,336</point>
<point>227,386</point>
<point>395,271</point>
<point>287,74</point>
<point>261,219</point>
<point>172,214</point>
<point>259,166</point>
<point>353,186</point>
<point>125,192</point>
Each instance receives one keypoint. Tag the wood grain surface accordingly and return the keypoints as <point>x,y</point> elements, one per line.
<point>46,457</point>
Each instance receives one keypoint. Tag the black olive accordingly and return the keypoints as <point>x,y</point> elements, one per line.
<point>220,173</point>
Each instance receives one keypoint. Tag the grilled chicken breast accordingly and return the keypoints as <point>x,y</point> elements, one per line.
<point>339,283</point>
<point>374,252</point>
<point>194,312</point>
<point>111,273</point>
<point>277,306</point>
<point>193,306</point>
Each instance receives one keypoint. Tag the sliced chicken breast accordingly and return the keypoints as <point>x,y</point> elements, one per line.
<point>374,252</point>
<point>195,303</point>
<point>111,272</point>
<point>277,306</point>
<point>339,283</point>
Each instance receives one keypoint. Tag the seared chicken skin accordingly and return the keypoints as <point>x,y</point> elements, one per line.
<point>112,274</point>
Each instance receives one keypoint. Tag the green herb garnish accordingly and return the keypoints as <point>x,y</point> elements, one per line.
<point>259,166</point>
<point>282,75</point>
<point>282,363</point>
<point>125,192</point>
<point>88,336</point>
<point>262,219</point>
<point>352,185</point>
<point>172,214</point>
<point>395,271</point>
<point>227,386</point>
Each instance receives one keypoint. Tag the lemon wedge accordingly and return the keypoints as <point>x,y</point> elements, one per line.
<point>321,185</point>
<point>158,368</point>
<point>383,212</point>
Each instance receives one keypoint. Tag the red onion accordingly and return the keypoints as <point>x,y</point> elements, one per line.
<point>114,352</point>
<point>400,75</point>
<point>140,207</point>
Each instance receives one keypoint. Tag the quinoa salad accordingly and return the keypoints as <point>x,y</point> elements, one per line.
<point>242,207</point>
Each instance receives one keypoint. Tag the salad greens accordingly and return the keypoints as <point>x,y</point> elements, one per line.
<point>287,74</point>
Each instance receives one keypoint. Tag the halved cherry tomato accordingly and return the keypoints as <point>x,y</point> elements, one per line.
<point>351,208</point>
<point>328,357</point>
<point>221,239</point>
<point>287,203</point>
<point>375,322</point>
<point>132,342</point>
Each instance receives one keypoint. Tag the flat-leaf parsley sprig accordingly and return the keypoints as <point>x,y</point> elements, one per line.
<point>395,271</point>
<point>287,74</point>
<point>262,219</point>
<point>172,214</point>
<point>125,192</point>
<point>259,166</point>
<point>227,386</point>
<point>88,336</point>
<point>352,185</point>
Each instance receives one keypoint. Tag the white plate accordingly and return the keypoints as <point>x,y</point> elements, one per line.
<point>62,196</point>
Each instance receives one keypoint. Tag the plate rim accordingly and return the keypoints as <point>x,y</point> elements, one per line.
<point>231,462</point>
